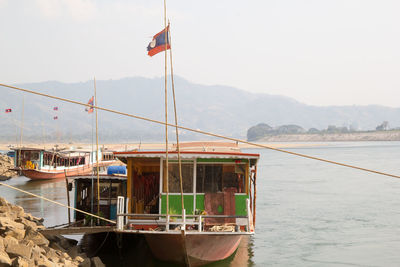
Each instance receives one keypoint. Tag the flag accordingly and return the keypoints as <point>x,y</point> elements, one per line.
<point>55,117</point>
<point>55,108</point>
<point>8,110</point>
<point>90,102</point>
<point>157,45</point>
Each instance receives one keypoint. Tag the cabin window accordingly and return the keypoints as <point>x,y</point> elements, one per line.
<point>174,180</point>
<point>211,178</point>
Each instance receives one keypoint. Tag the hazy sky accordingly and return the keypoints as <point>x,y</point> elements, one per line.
<point>337,52</point>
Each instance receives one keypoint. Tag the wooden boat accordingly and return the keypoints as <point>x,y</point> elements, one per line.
<point>218,196</point>
<point>37,163</point>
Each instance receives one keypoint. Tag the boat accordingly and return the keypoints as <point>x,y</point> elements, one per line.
<point>39,163</point>
<point>218,197</point>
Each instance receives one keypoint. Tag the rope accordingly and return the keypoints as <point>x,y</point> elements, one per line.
<point>204,132</point>
<point>58,203</point>
<point>166,104</point>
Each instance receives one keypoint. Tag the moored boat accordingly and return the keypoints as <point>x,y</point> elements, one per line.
<point>38,163</point>
<point>218,201</point>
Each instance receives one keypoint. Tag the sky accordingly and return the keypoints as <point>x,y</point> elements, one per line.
<point>319,52</point>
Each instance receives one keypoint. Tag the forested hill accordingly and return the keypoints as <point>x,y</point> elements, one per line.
<point>220,109</point>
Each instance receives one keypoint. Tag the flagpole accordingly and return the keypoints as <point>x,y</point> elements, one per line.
<point>166,111</point>
<point>176,121</point>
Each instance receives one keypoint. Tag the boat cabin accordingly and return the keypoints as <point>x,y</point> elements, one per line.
<point>86,196</point>
<point>216,181</point>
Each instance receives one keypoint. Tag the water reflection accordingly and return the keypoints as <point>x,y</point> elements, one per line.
<point>52,189</point>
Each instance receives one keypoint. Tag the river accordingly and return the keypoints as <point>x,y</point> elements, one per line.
<point>309,213</point>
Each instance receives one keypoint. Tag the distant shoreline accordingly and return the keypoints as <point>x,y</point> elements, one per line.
<point>393,135</point>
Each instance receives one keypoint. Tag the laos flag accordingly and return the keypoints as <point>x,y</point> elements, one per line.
<point>157,45</point>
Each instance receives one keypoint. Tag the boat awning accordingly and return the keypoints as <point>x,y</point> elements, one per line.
<point>186,155</point>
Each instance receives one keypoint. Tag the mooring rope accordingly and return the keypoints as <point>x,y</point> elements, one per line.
<point>58,203</point>
<point>204,132</point>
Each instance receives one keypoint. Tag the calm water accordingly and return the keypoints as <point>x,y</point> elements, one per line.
<point>309,213</point>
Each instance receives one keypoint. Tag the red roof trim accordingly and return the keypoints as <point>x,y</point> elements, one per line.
<point>188,152</point>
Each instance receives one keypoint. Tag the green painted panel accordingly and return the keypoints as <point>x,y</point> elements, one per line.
<point>240,202</point>
<point>200,201</point>
<point>175,205</point>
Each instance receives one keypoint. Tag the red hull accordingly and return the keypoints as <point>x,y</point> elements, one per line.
<point>34,174</point>
<point>192,249</point>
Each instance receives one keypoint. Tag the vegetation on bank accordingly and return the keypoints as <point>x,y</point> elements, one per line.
<point>265,132</point>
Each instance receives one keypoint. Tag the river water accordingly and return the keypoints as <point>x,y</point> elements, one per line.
<point>309,213</point>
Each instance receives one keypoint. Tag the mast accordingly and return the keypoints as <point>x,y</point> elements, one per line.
<point>97,151</point>
<point>22,126</point>
<point>166,108</point>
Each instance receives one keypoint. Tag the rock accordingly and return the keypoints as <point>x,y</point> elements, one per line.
<point>1,244</point>
<point>44,263</point>
<point>85,263</point>
<point>8,222</point>
<point>66,243</point>
<point>36,253</point>
<point>15,250</point>
<point>9,240</point>
<point>78,259</point>
<point>73,252</point>
<point>27,223</point>
<point>4,259</point>
<point>56,246</point>
<point>96,262</point>
<point>21,262</point>
<point>36,237</point>
<point>17,233</point>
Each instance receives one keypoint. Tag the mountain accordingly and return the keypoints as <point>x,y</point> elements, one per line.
<point>219,109</point>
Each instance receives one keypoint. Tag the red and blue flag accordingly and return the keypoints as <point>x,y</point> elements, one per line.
<point>158,45</point>
<point>55,108</point>
<point>90,102</point>
<point>8,110</point>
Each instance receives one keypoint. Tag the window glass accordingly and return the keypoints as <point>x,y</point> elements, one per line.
<point>173,177</point>
<point>211,178</point>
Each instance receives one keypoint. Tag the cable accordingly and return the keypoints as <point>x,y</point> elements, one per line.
<point>202,132</point>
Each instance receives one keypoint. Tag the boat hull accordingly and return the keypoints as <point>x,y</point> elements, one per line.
<point>192,249</point>
<point>34,174</point>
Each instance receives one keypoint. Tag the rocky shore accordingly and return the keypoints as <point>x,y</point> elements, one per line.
<point>22,244</point>
<point>5,164</point>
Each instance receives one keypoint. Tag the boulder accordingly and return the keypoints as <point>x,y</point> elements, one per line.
<point>9,240</point>
<point>67,243</point>
<point>15,250</point>
<point>14,232</point>
<point>36,237</point>
<point>8,222</point>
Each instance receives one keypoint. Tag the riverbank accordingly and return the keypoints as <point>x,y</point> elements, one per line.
<point>334,137</point>
<point>22,244</point>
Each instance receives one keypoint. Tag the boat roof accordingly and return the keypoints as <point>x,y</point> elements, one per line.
<point>186,154</point>
<point>190,150</point>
